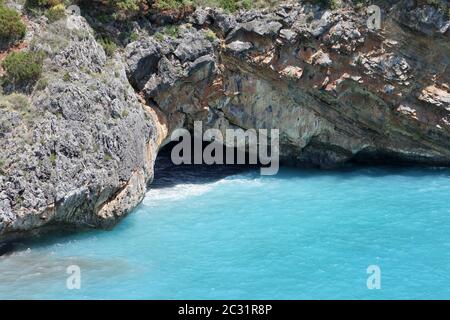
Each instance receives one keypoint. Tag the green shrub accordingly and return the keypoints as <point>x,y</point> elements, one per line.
<point>171,4</point>
<point>159,36</point>
<point>23,66</point>
<point>42,3</point>
<point>38,8</point>
<point>246,4</point>
<point>118,9</point>
<point>15,101</point>
<point>134,36</point>
<point>334,4</point>
<point>172,31</point>
<point>127,5</point>
<point>331,4</point>
<point>11,26</point>
<point>50,3</point>
<point>56,12</point>
<point>53,158</point>
<point>234,5</point>
<point>66,77</point>
<point>41,84</point>
<point>228,5</point>
<point>105,18</point>
<point>359,4</point>
<point>107,157</point>
<point>210,35</point>
<point>19,103</point>
<point>2,165</point>
<point>108,45</point>
<point>433,2</point>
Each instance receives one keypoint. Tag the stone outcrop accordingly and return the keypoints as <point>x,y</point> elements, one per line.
<point>338,91</point>
<point>83,153</point>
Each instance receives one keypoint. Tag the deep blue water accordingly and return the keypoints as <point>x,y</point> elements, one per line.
<point>303,234</point>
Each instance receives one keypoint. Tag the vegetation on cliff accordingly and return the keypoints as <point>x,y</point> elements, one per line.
<point>23,66</point>
<point>11,26</point>
<point>124,9</point>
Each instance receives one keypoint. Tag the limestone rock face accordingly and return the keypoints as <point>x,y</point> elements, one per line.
<point>427,19</point>
<point>337,91</point>
<point>84,154</point>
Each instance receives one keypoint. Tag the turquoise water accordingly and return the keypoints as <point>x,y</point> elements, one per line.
<point>303,234</point>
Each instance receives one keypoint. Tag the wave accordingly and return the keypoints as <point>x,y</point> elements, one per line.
<point>178,192</point>
<point>183,191</point>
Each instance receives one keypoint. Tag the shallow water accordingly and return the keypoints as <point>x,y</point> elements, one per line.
<point>221,234</point>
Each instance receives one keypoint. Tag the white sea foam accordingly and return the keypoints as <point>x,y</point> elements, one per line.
<point>187,190</point>
<point>178,192</point>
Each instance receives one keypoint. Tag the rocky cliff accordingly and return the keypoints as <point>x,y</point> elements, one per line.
<point>83,150</point>
<point>338,91</point>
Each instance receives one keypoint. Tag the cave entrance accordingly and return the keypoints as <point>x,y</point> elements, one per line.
<point>168,174</point>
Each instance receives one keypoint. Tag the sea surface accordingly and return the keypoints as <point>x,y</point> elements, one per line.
<point>223,233</point>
